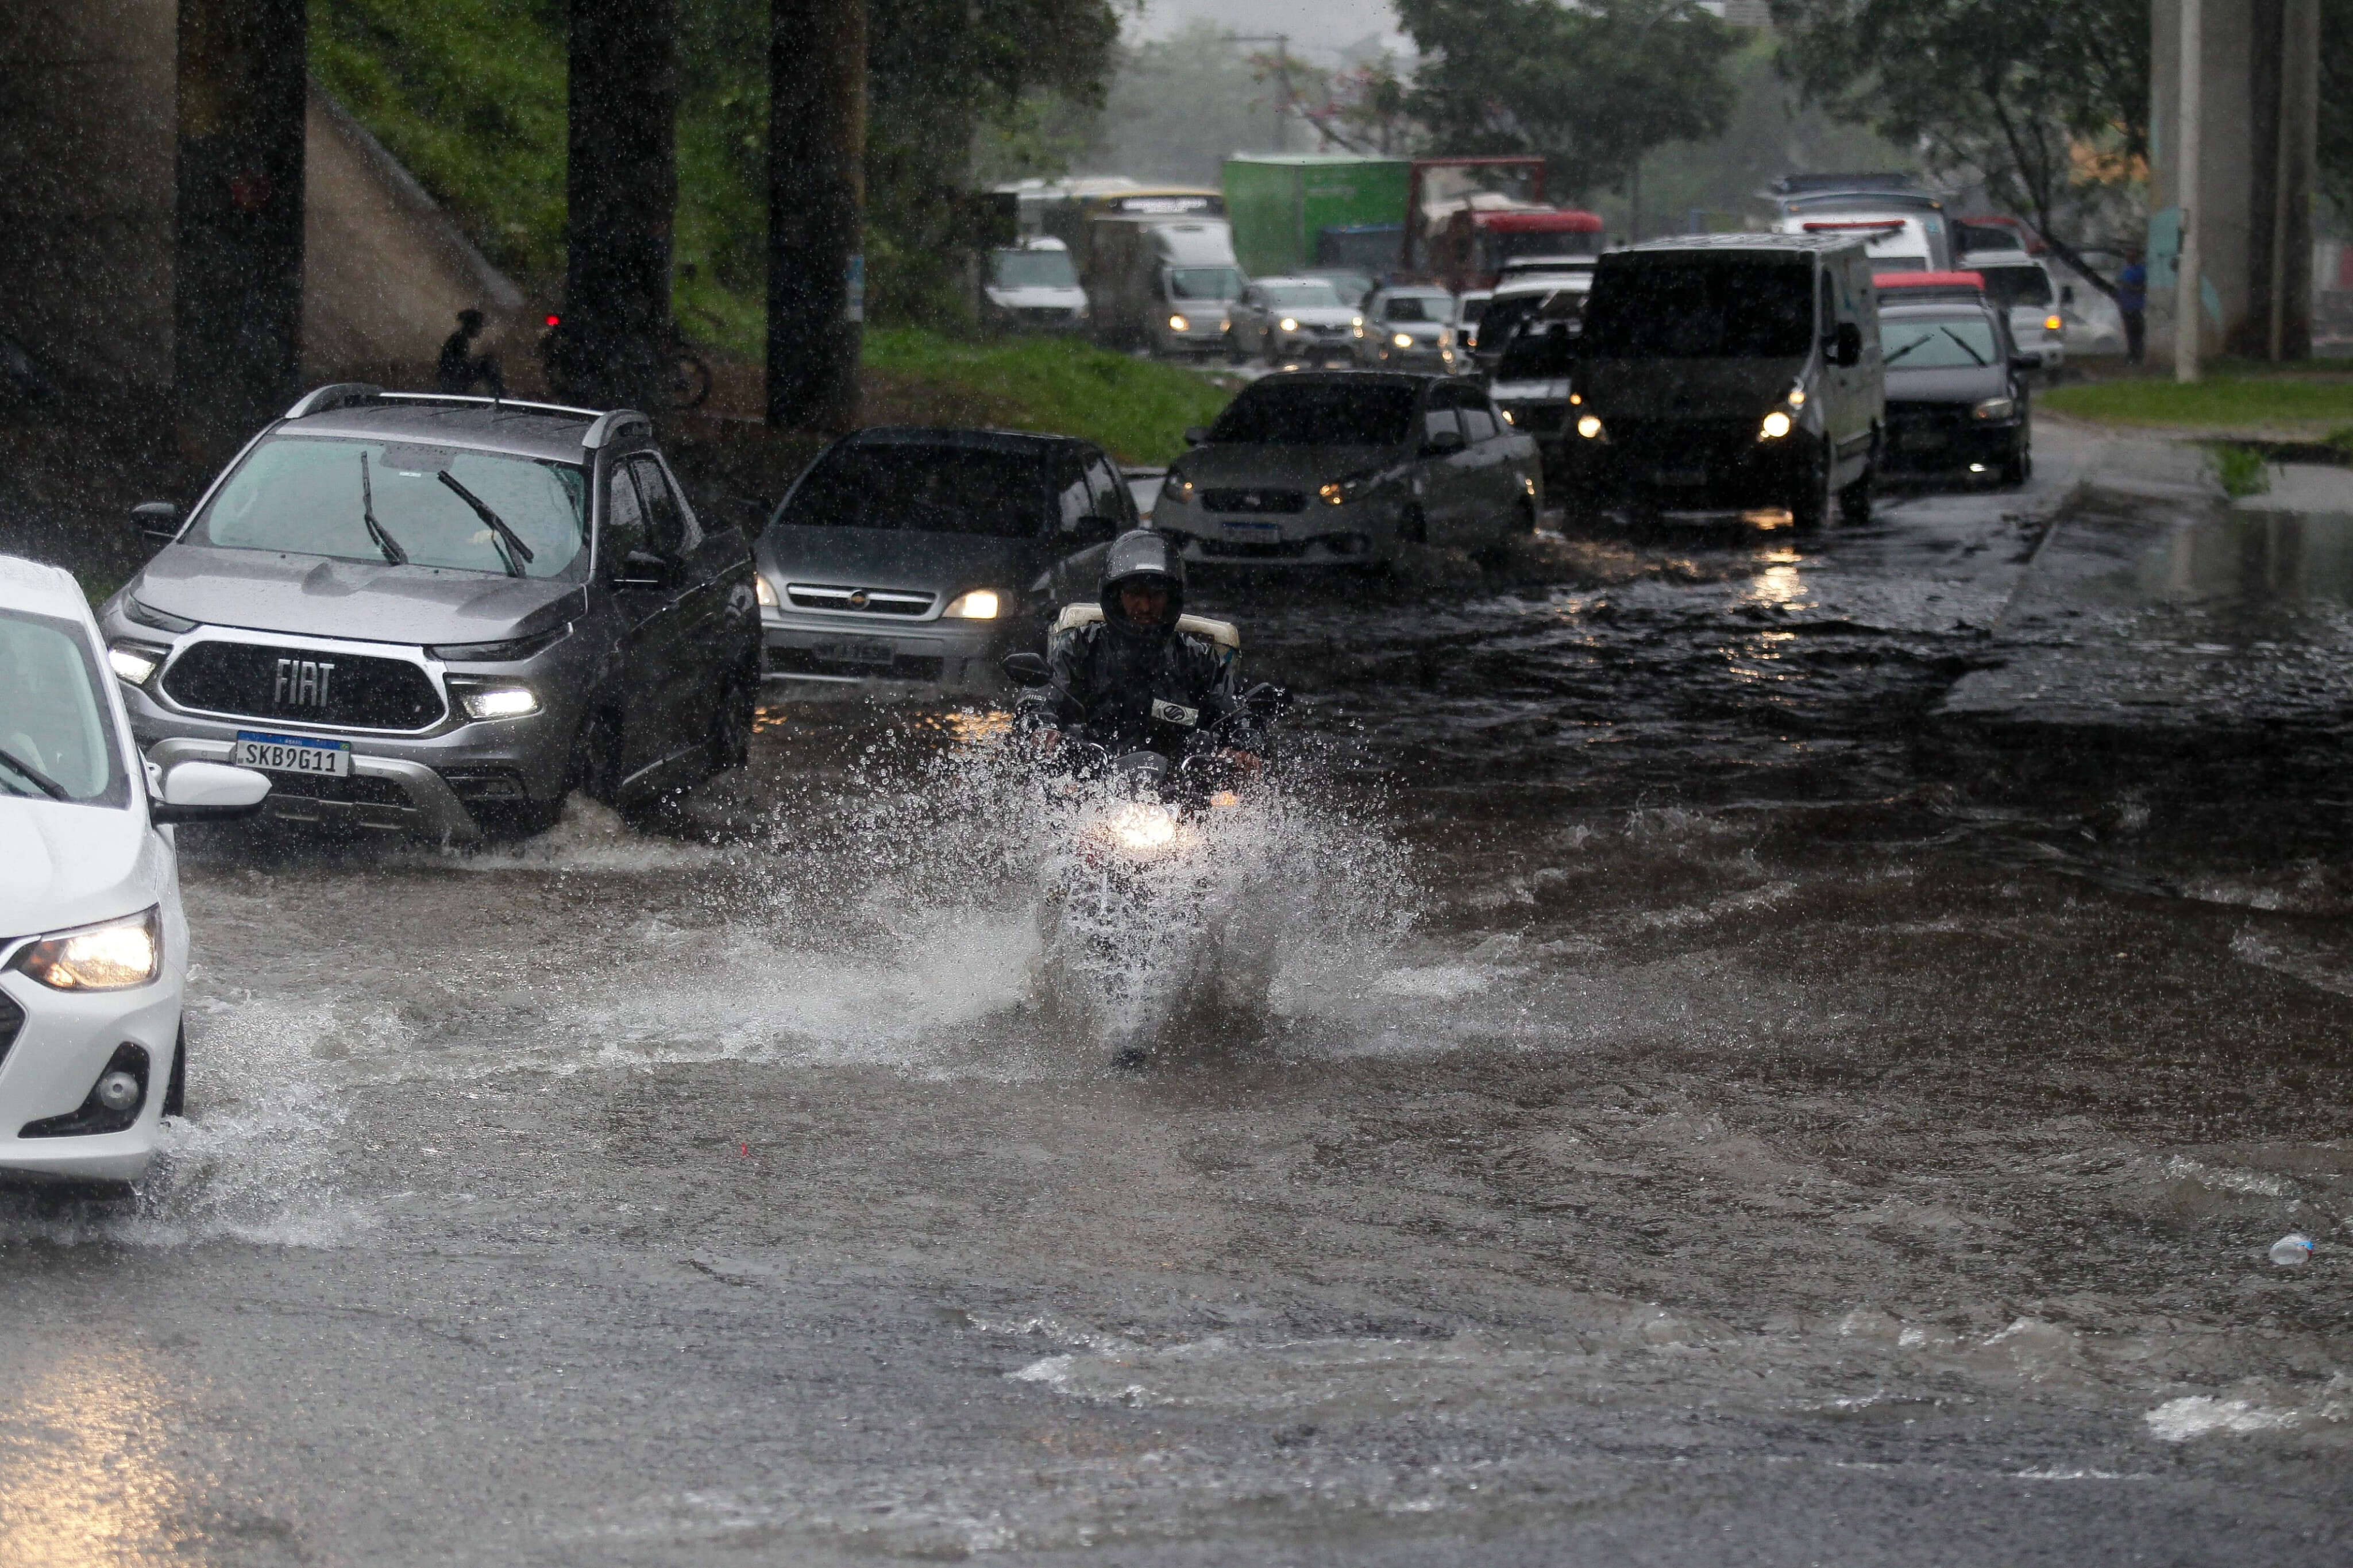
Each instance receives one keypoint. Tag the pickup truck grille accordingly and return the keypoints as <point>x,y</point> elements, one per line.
<point>1279,501</point>
<point>298,685</point>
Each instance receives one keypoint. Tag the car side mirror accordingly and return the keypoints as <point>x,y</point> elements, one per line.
<point>1025,669</point>
<point>156,519</point>
<point>1095,528</point>
<point>2024,362</point>
<point>641,569</point>
<point>1846,346</point>
<point>208,792</point>
<point>2066,293</point>
<point>1196,435</point>
<point>1445,444</point>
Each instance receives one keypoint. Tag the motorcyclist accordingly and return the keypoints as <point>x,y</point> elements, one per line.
<point>1134,679</point>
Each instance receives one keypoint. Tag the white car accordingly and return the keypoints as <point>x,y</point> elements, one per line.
<point>2021,288</point>
<point>94,948</point>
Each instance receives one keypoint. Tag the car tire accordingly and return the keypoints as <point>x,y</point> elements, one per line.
<point>175,1088</point>
<point>730,722</point>
<point>596,766</point>
<point>2019,467</point>
<point>1855,501</point>
<point>1810,507</point>
<point>1413,528</point>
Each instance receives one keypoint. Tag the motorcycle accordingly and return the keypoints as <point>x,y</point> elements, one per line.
<point>1140,901</point>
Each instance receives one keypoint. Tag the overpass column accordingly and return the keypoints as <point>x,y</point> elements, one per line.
<point>816,193</point>
<point>621,191</point>
<point>238,224</point>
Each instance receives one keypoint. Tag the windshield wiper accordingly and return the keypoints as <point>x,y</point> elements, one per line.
<point>383,542</point>
<point>39,780</point>
<point>1965,347</point>
<point>509,546</point>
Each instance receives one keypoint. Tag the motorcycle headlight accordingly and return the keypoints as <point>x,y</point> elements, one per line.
<point>1776,426</point>
<point>979,604</point>
<point>1141,827</point>
<point>115,957</point>
<point>1995,409</point>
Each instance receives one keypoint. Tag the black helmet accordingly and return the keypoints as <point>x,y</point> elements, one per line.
<point>1140,557</point>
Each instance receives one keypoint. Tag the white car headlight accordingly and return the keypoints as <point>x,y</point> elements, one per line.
<point>1403,339</point>
<point>1179,324</point>
<point>498,702</point>
<point>1776,426</point>
<point>134,662</point>
<point>115,957</point>
<point>1995,409</point>
<point>979,604</point>
<point>768,595</point>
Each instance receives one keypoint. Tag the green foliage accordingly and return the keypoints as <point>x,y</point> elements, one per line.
<point>1136,409</point>
<point>2243,470</point>
<point>2246,403</point>
<point>1591,89</point>
<point>2335,149</point>
<point>2009,94</point>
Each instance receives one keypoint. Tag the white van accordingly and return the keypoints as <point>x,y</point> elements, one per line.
<point>1167,285</point>
<point>2021,287</point>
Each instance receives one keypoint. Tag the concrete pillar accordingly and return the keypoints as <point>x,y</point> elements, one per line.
<point>2250,197</point>
<point>88,143</point>
<point>817,197</point>
<point>621,193</point>
<point>237,256</point>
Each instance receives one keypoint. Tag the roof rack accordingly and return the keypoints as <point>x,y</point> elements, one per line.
<point>351,394</point>
<point>609,427</point>
<point>337,395</point>
<point>470,399</point>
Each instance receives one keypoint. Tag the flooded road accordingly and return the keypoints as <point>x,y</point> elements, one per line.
<point>1677,1122</point>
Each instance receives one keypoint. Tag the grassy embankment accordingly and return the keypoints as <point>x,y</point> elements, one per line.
<point>470,95</point>
<point>2302,404</point>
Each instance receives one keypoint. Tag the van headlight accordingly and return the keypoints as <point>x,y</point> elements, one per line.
<point>1776,426</point>
<point>1289,323</point>
<point>1402,340</point>
<point>979,604</point>
<point>115,957</point>
<point>1179,324</point>
<point>1995,409</point>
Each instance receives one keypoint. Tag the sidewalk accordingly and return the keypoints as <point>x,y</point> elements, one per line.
<point>2159,623</point>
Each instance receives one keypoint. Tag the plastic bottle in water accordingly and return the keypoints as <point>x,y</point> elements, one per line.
<point>2291,1249</point>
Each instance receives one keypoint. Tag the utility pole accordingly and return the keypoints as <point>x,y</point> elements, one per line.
<point>1284,104</point>
<point>620,193</point>
<point>237,309</point>
<point>2189,306</point>
<point>817,199</point>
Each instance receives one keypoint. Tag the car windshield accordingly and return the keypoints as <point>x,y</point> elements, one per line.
<point>1537,355</point>
<point>1701,310</point>
<point>1953,344</point>
<point>1317,413</point>
<point>1508,315</point>
<point>923,489</point>
<point>1316,296</point>
<point>1472,309</point>
<point>2008,286</point>
<point>1415,308</point>
<point>1204,283</point>
<point>1031,269</point>
<point>57,734</point>
<point>314,496</point>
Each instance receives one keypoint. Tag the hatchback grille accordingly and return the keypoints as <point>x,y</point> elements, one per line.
<point>11,1018</point>
<point>343,691</point>
<point>1255,500</point>
<point>858,600</point>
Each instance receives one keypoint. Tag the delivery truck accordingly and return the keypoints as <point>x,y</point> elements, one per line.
<point>1295,211</point>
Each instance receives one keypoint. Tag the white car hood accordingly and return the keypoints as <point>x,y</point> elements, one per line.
<point>64,866</point>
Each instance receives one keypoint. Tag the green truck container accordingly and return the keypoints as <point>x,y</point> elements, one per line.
<point>1295,210</point>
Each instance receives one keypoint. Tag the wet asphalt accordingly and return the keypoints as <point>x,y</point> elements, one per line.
<point>1680,1115</point>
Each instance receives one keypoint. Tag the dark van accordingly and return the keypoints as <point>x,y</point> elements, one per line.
<point>1729,370</point>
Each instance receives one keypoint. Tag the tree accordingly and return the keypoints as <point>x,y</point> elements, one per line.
<point>2046,105</point>
<point>1590,89</point>
<point>2335,175</point>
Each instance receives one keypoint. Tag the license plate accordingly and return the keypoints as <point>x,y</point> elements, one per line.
<point>292,754</point>
<point>1262,530</point>
<point>1922,440</point>
<point>861,650</point>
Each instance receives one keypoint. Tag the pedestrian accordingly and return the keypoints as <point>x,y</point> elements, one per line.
<point>459,367</point>
<point>2132,300</point>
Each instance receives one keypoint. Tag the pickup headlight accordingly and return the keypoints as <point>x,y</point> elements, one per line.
<point>134,662</point>
<point>1994,408</point>
<point>979,604</point>
<point>1775,426</point>
<point>115,957</point>
<point>481,699</point>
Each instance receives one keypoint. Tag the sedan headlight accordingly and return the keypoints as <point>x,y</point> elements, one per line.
<point>1776,426</point>
<point>767,594</point>
<point>1995,409</point>
<point>134,662</point>
<point>481,700</point>
<point>115,956</point>
<point>979,604</point>
<point>1403,339</point>
<point>1339,492</point>
<point>1179,324</point>
<point>1178,488</point>
<point>1289,323</point>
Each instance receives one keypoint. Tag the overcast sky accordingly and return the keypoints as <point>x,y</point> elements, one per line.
<point>1318,27</point>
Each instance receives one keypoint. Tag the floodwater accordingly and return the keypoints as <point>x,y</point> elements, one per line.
<point>1669,1119</point>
